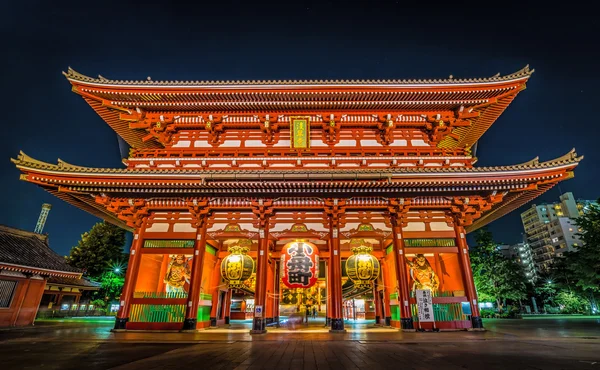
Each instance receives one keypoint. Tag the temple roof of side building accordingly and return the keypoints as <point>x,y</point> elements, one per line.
<point>81,186</point>
<point>28,252</point>
<point>81,283</point>
<point>100,80</point>
<point>484,99</point>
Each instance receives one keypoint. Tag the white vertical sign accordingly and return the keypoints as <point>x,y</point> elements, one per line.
<point>258,311</point>
<point>424,305</point>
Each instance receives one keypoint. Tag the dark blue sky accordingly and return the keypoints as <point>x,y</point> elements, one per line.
<point>225,40</point>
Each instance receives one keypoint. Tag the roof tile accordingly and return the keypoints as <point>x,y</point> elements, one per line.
<point>24,248</point>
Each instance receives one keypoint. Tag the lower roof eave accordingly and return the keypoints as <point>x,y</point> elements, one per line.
<point>38,270</point>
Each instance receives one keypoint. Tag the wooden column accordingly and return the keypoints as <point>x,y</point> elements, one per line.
<point>227,306</point>
<point>406,322</point>
<point>337,318</point>
<point>377,303</point>
<point>277,291</point>
<point>20,299</point>
<point>216,278</point>
<point>387,312</point>
<point>328,291</point>
<point>465,265</point>
<point>191,312</point>
<point>133,266</point>
<point>260,294</point>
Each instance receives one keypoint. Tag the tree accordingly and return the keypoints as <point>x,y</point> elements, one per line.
<point>111,286</point>
<point>496,278</point>
<point>583,264</point>
<point>98,249</point>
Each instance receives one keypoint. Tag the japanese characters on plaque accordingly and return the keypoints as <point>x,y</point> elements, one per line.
<point>424,305</point>
<point>299,265</point>
<point>300,132</point>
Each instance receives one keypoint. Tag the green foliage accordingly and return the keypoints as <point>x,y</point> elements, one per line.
<point>574,279</point>
<point>98,303</point>
<point>546,291</point>
<point>496,278</point>
<point>569,302</point>
<point>111,286</point>
<point>487,313</point>
<point>584,264</point>
<point>98,249</point>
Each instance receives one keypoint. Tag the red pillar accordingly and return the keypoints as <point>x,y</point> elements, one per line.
<point>260,294</point>
<point>387,312</point>
<point>337,318</point>
<point>216,278</point>
<point>191,312</point>
<point>269,309</point>
<point>406,322</point>
<point>135,256</point>
<point>328,290</point>
<point>377,303</point>
<point>465,264</point>
<point>227,305</point>
<point>277,291</point>
<point>21,299</point>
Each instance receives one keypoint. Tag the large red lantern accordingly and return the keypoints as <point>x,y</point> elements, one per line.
<point>299,265</point>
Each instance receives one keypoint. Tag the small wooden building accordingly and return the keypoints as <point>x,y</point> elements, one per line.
<point>26,263</point>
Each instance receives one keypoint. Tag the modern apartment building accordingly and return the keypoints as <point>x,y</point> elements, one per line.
<point>551,229</point>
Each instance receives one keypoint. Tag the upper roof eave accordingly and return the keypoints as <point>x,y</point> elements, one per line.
<point>569,159</point>
<point>76,77</point>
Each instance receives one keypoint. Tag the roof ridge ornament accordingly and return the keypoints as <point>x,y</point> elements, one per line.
<point>568,157</point>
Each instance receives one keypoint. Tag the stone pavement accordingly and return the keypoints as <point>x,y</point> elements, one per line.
<point>512,344</point>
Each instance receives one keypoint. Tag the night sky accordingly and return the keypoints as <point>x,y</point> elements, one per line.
<point>224,40</point>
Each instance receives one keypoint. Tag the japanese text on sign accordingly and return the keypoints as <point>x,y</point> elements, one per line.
<point>424,305</point>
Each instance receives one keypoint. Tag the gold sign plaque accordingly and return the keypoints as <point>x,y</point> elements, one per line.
<point>300,131</point>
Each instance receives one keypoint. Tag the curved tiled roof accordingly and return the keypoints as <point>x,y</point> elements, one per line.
<point>76,76</point>
<point>83,283</point>
<point>29,162</point>
<point>20,248</point>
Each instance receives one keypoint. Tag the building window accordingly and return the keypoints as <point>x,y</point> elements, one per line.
<point>7,290</point>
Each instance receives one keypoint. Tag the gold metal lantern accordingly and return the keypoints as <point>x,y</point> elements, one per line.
<point>237,267</point>
<point>362,267</point>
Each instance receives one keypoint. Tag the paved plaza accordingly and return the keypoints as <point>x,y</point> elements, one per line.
<point>506,344</point>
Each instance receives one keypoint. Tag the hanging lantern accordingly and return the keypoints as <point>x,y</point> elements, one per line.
<point>237,266</point>
<point>299,265</point>
<point>362,267</point>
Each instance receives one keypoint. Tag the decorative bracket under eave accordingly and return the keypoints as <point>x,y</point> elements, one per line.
<point>133,211</point>
<point>158,126</point>
<point>331,129</point>
<point>199,210</point>
<point>335,209</point>
<point>269,127</point>
<point>262,209</point>
<point>438,127</point>
<point>397,210</point>
<point>385,127</point>
<point>468,209</point>
<point>213,125</point>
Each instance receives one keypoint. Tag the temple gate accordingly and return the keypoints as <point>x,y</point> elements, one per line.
<point>379,170</point>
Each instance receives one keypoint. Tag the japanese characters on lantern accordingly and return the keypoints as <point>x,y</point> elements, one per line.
<point>362,267</point>
<point>299,265</point>
<point>237,267</point>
